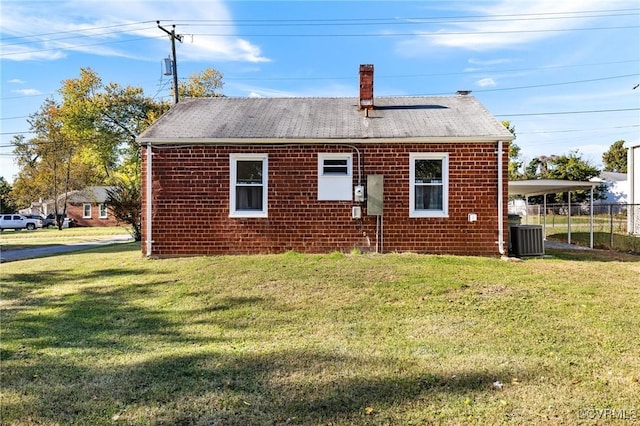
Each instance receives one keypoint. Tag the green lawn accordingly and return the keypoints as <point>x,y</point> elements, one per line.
<point>16,240</point>
<point>602,240</point>
<point>107,337</point>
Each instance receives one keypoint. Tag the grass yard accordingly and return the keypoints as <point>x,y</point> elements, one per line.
<point>106,337</point>
<point>602,240</point>
<point>16,240</point>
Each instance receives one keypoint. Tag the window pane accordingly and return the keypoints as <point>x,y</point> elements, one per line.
<point>249,172</point>
<point>335,166</point>
<point>428,171</point>
<point>428,197</point>
<point>248,198</point>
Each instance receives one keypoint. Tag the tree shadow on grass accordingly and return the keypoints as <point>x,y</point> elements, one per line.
<point>295,386</point>
<point>101,354</point>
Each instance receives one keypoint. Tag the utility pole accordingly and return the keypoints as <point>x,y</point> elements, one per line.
<point>174,37</point>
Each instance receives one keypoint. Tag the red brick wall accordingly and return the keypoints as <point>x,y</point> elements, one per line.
<point>191,202</point>
<point>75,212</point>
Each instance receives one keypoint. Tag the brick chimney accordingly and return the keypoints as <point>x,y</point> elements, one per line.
<point>366,87</point>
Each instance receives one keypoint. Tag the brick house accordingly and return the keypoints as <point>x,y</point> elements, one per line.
<point>85,207</point>
<point>256,175</point>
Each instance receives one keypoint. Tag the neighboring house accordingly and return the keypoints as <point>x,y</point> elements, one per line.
<point>255,175</point>
<point>86,207</point>
<point>633,169</point>
<point>617,188</point>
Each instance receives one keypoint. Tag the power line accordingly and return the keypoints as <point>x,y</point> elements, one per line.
<point>556,84</point>
<point>353,21</point>
<point>503,115</point>
<point>543,132</point>
<point>75,31</point>
<point>567,112</point>
<point>110,33</point>
<point>162,85</point>
<point>388,21</point>
<point>421,34</point>
<point>76,47</point>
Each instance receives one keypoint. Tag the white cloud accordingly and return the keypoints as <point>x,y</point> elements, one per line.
<point>487,62</point>
<point>28,92</point>
<point>16,81</point>
<point>511,32</point>
<point>486,82</point>
<point>113,28</point>
<point>327,90</point>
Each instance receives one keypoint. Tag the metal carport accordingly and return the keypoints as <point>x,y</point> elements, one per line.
<point>528,188</point>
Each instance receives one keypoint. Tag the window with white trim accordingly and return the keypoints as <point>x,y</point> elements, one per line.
<point>102,208</point>
<point>335,176</point>
<point>86,210</point>
<point>248,185</point>
<point>429,185</point>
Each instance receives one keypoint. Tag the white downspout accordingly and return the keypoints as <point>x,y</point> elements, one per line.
<point>149,209</point>
<point>500,202</point>
<point>591,219</point>
<point>632,211</point>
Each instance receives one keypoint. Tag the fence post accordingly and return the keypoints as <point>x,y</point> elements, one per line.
<point>569,221</point>
<point>610,226</point>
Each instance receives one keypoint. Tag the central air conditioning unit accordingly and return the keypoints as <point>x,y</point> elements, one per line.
<point>526,240</point>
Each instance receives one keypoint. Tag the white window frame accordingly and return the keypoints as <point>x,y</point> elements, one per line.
<point>442,156</point>
<point>335,186</point>
<point>233,161</point>
<point>102,211</point>
<point>86,215</point>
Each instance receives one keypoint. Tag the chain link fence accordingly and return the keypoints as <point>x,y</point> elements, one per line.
<point>615,226</point>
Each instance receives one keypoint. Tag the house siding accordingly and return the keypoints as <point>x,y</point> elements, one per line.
<point>190,201</point>
<point>75,212</point>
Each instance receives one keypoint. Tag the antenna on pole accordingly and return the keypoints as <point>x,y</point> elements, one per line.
<point>174,69</point>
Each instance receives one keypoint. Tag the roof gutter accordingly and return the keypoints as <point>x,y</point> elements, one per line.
<point>338,141</point>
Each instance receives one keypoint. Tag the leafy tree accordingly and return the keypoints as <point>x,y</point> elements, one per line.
<point>89,137</point>
<point>47,160</point>
<point>615,159</point>
<point>6,203</point>
<point>515,163</point>
<point>108,118</point>
<point>205,84</point>
<point>124,201</point>
<point>82,140</point>
<point>564,167</point>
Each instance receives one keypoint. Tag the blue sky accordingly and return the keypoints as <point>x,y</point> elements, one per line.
<point>562,72</point>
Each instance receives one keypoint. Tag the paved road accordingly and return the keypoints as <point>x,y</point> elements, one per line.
<point>32,253</point>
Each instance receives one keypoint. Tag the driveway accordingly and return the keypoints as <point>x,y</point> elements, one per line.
<point>32,253</point>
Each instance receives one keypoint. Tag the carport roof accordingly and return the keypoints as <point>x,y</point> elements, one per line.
<point>547,186</point>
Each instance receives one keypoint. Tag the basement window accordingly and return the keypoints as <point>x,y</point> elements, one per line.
<point>86,211</point>
<point>335,176</point>
<point>429,185</point>
<point>248,185</point>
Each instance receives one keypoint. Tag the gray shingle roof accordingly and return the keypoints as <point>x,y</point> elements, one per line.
<point>90,194</point>
<point>286,119</point>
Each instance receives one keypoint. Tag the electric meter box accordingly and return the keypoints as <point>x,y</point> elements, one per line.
<point>375,184</point>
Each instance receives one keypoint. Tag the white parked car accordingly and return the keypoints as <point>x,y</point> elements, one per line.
<point>18,222</point>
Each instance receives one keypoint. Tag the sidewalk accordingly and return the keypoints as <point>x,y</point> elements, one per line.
<point>36,252</point>
<point>564,246</point>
